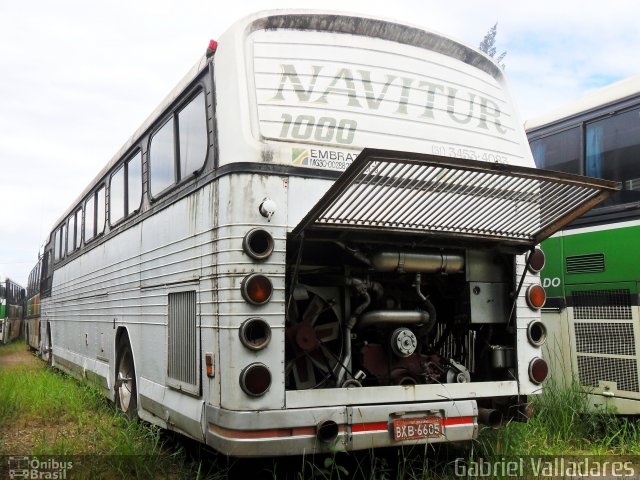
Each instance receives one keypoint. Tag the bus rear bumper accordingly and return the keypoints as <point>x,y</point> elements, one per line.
<point>359,427</point>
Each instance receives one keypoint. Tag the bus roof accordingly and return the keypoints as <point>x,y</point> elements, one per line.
<point>595,99</point>
<point>299,19</point>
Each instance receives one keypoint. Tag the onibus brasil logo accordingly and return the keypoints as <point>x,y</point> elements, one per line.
<point>24,467</point>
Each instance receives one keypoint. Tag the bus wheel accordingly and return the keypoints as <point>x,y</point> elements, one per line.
<point>47,352</point>
<point>126,391</point>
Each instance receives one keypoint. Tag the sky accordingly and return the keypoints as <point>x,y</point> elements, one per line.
<point>77,78</point>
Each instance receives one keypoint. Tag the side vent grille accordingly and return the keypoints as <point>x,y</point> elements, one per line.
<point>622,371</point>
<point>602,304</point>
<point>593,263</point>
<point>605,338</point>
<point>182,337</point>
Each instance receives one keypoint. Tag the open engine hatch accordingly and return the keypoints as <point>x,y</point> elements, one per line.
<point>450,198</point>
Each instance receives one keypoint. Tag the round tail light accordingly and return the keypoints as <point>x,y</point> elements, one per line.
<point>256,288</point>
<point>255,333</point>
<point>536,296</point>
<point>258,244</point>
<point>536,260</point>
<point>255,379</point>
<point>538,370</point>
<point>537,333</point>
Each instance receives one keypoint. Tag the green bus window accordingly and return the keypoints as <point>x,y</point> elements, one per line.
<point>560,151</point>
<point>612,152</point>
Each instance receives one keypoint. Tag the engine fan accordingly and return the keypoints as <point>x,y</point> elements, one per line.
<point>314,333</point>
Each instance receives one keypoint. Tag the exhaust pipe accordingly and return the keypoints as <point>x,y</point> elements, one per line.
<point>326,431</point>
<point>490,417</point>
<point>418,262</point>
<point>400,317</point>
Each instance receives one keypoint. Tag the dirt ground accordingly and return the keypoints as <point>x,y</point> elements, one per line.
<point>17,357</point>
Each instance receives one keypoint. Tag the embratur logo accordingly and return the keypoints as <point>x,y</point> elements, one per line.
<point>300,156</point>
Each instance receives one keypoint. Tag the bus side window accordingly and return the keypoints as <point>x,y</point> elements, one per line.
<point>116,197</point>
<point>59,243</point>
<point>71,237</point>
<point>161,159</point>
<point>559,151</point>
<point>192,131</point>
<point>46,274</point>
<point>125,190</point>
<point>78,216</point>
<point>63,239</point>
<point>171,163</point>
<point>89,218</point>
<point>134,183</point>
<point>100,211</point>
<point>611,152</point>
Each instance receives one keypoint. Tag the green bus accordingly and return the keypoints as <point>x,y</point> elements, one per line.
<point>592,273</point>
<point>12,298</point>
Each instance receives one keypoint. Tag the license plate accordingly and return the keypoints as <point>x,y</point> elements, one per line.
<point>416,428</point>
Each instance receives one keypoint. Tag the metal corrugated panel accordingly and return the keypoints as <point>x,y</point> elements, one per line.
<point>182,360</point>
<point>451,197</point>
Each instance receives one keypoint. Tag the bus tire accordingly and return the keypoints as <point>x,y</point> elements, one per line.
<point>125,384</point>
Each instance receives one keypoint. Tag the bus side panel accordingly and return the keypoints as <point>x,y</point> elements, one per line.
<point>602,317</point>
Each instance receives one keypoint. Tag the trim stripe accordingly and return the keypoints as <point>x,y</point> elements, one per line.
<point>311,430</point>
<point>369,427</point>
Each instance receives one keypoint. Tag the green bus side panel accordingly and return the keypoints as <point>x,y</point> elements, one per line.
<point>552,274</point>
<point>619,248</point>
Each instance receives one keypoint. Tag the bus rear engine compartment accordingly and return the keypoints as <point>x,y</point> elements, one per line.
<point>365,314</point>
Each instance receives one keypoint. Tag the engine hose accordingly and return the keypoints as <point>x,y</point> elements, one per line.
<point>424,330</point>
<point>431,310</point>
<point>361,289</point>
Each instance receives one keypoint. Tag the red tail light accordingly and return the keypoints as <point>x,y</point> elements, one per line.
<point>536,260</point>
<point>538,370</point>
<point>255,379</point>
<point>256,289</point>
<point>536,296</point>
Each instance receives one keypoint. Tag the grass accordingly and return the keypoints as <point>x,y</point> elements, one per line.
<point>44,412</point>
<point>560,426</point>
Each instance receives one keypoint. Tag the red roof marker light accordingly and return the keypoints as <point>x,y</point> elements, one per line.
<point>211,49</point>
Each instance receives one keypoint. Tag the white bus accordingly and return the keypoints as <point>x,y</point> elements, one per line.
<point>317,241</point>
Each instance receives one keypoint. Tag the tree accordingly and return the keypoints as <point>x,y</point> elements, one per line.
<point>487,45</point>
